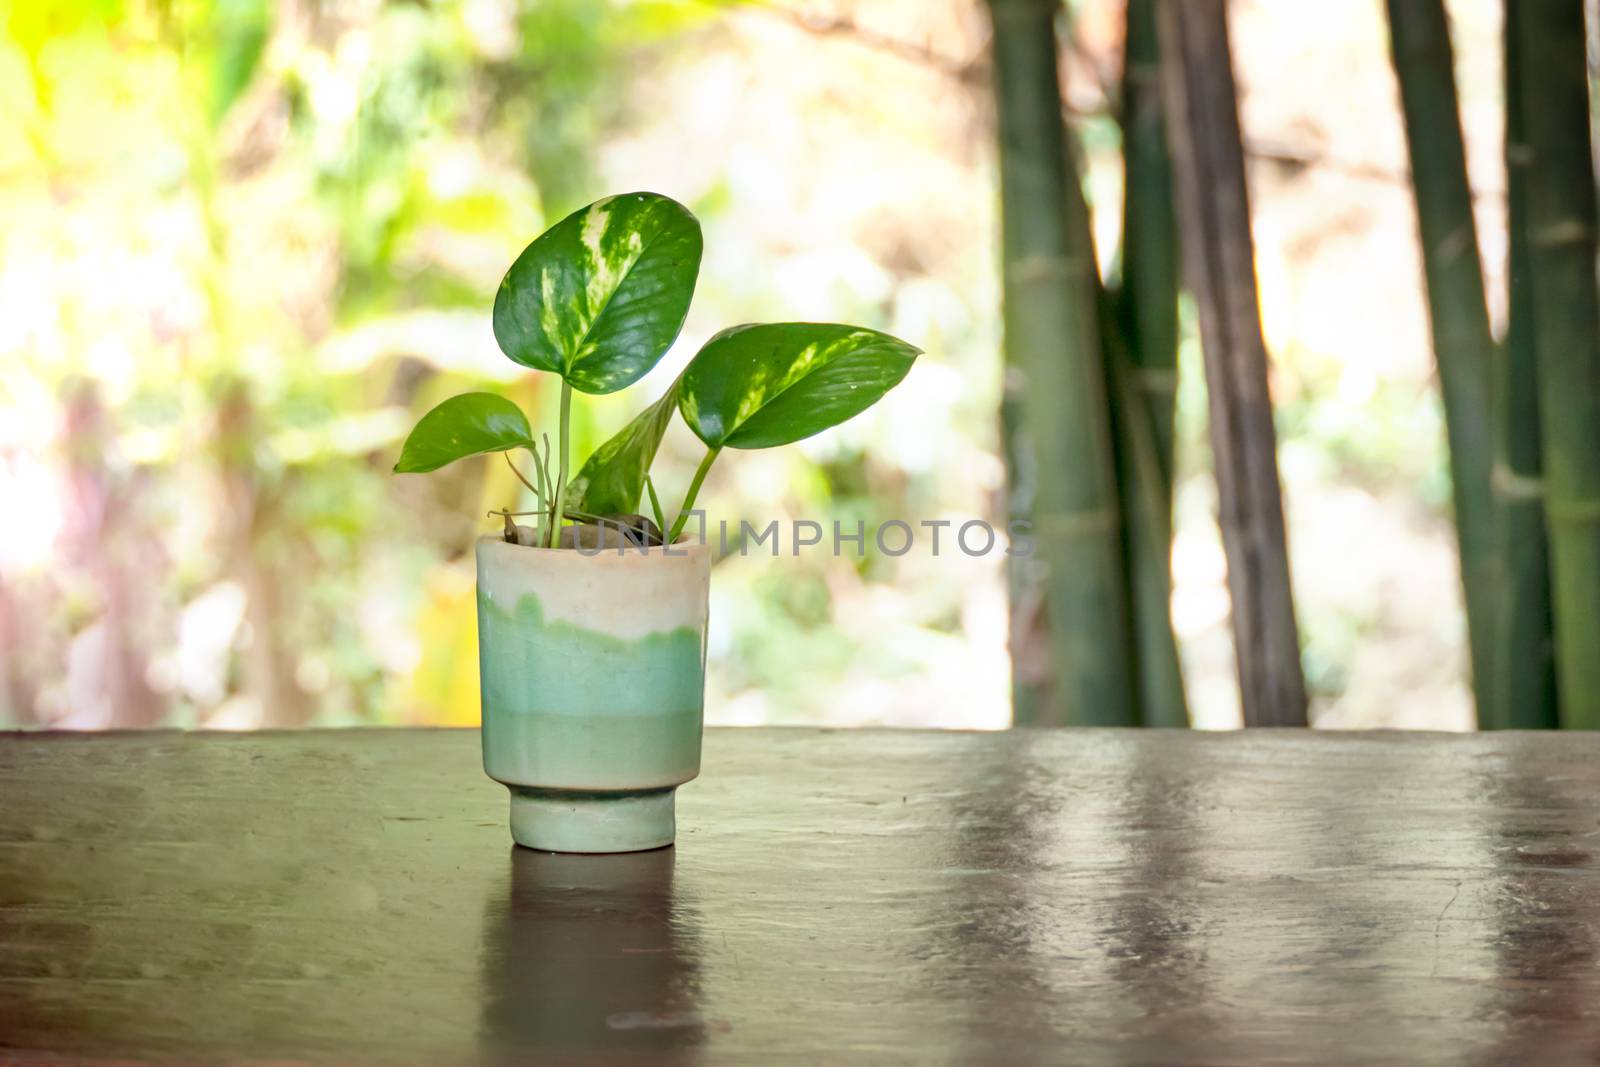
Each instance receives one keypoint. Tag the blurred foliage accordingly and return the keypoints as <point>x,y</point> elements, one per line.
<point>265,231</point>
<point>244,242</point>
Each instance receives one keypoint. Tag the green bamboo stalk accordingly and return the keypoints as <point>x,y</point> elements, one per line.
<point>1148,304</point>
<point>1147,540</point>
<point>1033,692</point>
<point>1141,354</point>
<point>1463,344</point>
<point>1561,220</point>
<point>1523,674</point>
<point>1033,696</point>
<point>1052,339</point>
<point>1219,265</point>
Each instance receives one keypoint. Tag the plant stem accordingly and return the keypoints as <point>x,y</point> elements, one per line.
<point>538,496</point>
<point>694,491</point>
<point>561,480</point>
<point>655,504</point>
<point>541,534</point>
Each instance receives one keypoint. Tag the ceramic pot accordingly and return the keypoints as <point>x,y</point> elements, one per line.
<point>592,666</point>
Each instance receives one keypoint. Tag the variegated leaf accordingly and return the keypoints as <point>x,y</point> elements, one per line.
<point>770,384</point>
<point>600,296</point>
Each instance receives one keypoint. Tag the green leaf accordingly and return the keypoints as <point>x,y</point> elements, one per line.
<point>770,384</point>
<point>601,295</point>
<point>612,479</point>
<point>463,426</point>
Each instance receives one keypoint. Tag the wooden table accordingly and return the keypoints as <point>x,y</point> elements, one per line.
<point>835,897</point>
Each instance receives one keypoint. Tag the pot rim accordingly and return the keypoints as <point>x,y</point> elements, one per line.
<point>681,550</point>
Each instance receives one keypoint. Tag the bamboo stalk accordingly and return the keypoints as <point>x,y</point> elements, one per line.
<point>1561,220</point>
<point>1219,264</point>
<point>1147,542</point>
<point>1033,696</point>
<point>1141,353</point>
<point>1033,692</point>
<point>1148,304</point>
<point>1463,344</point>
<point>1054,371</point>
<point>1523,673</point>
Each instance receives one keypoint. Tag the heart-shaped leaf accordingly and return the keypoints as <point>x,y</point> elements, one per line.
<point>463,426</point>
<point>770,384</point>
<point>600,296</point>
<point>612,479</point>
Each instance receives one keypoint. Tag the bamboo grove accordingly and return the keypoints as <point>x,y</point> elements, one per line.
<point>1091,368</point>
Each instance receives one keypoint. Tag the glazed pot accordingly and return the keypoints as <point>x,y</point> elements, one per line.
<point>592,667</point>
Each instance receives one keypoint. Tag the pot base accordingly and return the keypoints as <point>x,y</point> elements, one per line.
<point>560,821</point>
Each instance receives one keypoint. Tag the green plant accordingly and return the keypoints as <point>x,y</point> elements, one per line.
<point>597,300</point>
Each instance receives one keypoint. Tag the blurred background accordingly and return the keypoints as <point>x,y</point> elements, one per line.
<point>244,243</point>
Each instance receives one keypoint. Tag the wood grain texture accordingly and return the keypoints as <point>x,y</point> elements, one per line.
<point>1094,897</point>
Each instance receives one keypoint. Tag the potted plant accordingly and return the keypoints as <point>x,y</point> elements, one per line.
<point>592,618</point>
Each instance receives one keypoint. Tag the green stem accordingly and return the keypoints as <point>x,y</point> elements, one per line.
<point>561,480</point>
<point>655,504</point>
<point>541,535</point>
<point>521,478</point>
<point>694,491</point>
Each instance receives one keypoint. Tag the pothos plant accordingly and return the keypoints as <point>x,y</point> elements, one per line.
<point>597,300</point>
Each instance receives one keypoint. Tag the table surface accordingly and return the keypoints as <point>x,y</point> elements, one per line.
<point>875,897</point>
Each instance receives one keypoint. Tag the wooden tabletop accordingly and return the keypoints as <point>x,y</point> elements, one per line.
<point>834,897</point>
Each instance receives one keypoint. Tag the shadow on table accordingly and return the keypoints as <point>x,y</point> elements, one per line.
<point>591,957</point>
